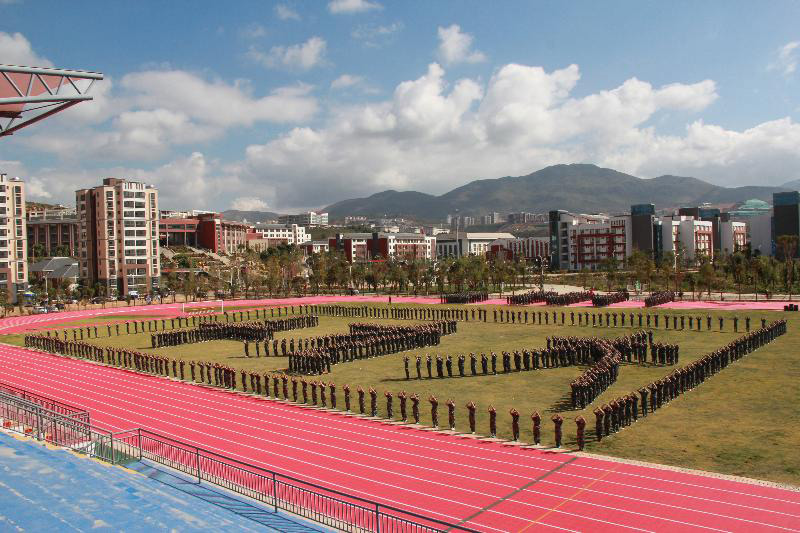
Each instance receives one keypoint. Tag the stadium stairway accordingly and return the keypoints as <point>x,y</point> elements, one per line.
<point>43,488</point>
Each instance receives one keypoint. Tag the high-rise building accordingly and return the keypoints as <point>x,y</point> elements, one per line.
<point>13,235</point>
<point>643,229</point>
<point>118,225</point>
<point>786,214</point>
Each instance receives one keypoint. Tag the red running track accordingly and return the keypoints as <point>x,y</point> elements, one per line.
<point>17,324</point>
<point>488,486</point>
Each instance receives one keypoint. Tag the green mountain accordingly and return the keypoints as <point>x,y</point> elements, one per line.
<point>577,187</point>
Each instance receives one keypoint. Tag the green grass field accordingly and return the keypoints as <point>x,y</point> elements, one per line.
<point>743,421</point>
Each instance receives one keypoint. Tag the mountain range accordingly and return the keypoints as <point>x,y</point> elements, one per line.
<point>575,187</point>
<point>250,216</point>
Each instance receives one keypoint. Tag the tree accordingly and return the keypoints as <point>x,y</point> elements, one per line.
<point>736,267</point>
<point>707,276</point>
<point>4,299</point>
<point>610,266</point>
<point>642,266</point>
<point>787,244</point>
<point>583,277</point>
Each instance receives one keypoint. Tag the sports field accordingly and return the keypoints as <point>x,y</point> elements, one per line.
<point>739,421</point>
<point>742,421</point>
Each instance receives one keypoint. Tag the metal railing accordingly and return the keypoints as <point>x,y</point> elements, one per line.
<point>315,502</point>
<point>47,403</point>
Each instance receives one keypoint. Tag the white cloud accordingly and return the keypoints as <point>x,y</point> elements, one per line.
<point>15,49</point>
<point>338,7</point>
<point>432,135</point>
<point>155,110</point>
<point>249,203</point>
<point>302,56</point>
<point>786,58</point>
<point>284,12</point>
<point>455,46</point>
<point>346,80</point>
<point>218,102</point>
<point>253,31</point>
<point>377,35</point>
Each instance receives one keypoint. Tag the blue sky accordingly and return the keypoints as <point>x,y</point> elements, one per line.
<point>284,105</point>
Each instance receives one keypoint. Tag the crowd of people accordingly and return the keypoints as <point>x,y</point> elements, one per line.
<point>598,377</point>
<point>529,298</point>
<point>241,331</point>
<point>603,300</point>
<point>568,298</point>
<point>199,371</point>
<point>560,352</point>
<point>468,297</point>
<point>365,341</point>
<point>624,410</point>
<point>658,298</point>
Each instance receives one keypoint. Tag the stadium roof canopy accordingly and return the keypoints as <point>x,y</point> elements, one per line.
<point>31,94</point>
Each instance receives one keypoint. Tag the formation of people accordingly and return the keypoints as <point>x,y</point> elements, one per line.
<point>469,297</point>
<point>242,331</point>
<point>560,352</point>
<point>400,313</point>
<point>603,300</point>
<point>529,298</point>
<point>364,341</point>
<point>658,298</point>
<point>568,298</point>
<point>624,410</point>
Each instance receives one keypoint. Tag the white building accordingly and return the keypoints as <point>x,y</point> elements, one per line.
<point>308,219</point>
<point>467,243</point>
<point>288,233</point>
<point>13,237</point>
<point>760,228</point>
<point>732,236</point>
<point>687,235</point>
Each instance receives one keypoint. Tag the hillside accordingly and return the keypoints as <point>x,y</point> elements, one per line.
<point>250,216</point>
<point>577,187</point>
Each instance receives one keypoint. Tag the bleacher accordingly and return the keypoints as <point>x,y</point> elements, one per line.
<point>58,490</point>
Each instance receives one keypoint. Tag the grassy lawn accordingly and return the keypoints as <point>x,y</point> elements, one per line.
<point>742,421</point>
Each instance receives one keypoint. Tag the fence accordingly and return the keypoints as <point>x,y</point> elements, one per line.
<point>47,403</point>
<point>323,505</point>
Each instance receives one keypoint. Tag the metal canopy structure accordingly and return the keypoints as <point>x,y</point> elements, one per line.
<point>31,94</point>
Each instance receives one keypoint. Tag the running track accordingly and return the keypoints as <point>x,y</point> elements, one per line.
<point>490,486</point>
<point>16,324</point>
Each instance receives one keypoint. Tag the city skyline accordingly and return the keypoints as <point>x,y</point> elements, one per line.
<point>287,106</point>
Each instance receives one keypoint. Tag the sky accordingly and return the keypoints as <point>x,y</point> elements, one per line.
<point>283,106</point>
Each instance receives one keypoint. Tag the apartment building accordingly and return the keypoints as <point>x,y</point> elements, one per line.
<point>56,231</point>
<point>580,241</point>
<point>118,236</point>
<point>13,236</point>
<point>687,236</point>
<point>370,246</point>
